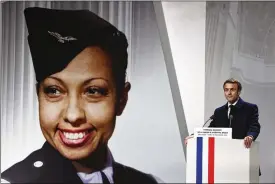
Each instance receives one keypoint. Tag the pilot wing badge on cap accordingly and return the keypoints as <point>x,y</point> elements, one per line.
<point>60,38</point>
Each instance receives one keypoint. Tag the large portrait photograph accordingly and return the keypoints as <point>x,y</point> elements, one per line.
<point>85,95</point>
<point>137,91</point>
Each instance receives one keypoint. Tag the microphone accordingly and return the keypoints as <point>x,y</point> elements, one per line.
<point>211,118</point>
<point>230,119</point>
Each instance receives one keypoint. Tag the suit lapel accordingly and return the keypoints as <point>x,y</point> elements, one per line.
<point>238,111</point>
<point>239,103</point>
<point>225,113</point>
<point>58,168</point>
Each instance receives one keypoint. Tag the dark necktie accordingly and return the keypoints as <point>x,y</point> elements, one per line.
<point>104,178</point>
<point>230,117</point>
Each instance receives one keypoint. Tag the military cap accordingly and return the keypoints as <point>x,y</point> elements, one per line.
<point>57,36</point>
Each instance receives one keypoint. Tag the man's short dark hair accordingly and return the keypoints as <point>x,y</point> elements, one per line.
<point>233,81</point>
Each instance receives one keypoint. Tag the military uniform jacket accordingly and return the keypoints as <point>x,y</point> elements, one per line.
<point>57,169</point>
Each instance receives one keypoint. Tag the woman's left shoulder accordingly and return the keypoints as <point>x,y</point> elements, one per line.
<point>126,174</point>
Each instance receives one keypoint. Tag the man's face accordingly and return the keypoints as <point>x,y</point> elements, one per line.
<point>231,92</point>
<point>78,106</point>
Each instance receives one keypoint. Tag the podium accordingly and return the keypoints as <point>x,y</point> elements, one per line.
<point>220,160</point>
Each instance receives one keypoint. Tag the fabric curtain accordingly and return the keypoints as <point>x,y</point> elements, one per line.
<point>220,42</point>
<point>240,44</point>
<point>19,105</point>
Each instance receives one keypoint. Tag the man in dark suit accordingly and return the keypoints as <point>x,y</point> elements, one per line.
<point>241,116</point>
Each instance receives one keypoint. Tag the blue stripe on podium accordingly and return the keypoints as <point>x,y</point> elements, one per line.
<point>199,160</point>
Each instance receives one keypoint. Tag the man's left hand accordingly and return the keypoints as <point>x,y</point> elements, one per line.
<point>248,141</point>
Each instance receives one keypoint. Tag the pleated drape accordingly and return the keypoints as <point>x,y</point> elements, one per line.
<point>19,105</point>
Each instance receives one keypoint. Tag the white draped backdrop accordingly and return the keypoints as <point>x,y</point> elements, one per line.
<point>240,43</point>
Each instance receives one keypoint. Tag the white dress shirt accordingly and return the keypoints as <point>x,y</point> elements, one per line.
<point>96,177</point>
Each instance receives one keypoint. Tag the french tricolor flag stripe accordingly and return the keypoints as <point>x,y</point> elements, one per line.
<point>211,158</point>
<point>205,160</point>
<point>199,160</point>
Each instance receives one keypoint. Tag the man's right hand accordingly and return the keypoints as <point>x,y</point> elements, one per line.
<point>186,139</point>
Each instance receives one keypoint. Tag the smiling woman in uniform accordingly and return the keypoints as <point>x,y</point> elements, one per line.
<point>78,105</point>
<point>80,62</point>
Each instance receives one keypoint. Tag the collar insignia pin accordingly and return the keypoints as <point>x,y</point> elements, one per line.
<point>60,38</point>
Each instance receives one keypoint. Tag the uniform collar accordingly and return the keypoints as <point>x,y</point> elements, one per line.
<point>59,161</point>
<point>108,170</point>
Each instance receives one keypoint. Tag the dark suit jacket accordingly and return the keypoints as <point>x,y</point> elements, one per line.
<point>245,119</point>
<point>57,169</point>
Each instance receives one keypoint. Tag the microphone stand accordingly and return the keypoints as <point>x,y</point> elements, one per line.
<point>230,120</point>
<point>211,118</point>
<point>207,121</point>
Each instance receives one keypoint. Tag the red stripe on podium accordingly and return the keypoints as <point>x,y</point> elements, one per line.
<point>211,157</point>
